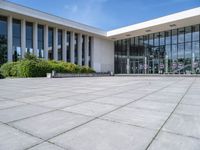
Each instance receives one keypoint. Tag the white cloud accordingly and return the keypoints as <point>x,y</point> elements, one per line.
<point>72,8</point>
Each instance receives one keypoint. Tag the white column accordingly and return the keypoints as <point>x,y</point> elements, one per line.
<point>72,47</point>
<point>86,50</point>
<point>55,44</point>
<point>80,49</point>
<point>64,48</point>
<point>10,37</point>
<point>35,38</point>
<point>166,64</point>
<point>23,37</point>
<point>46,42</point>
<point>92,52</point>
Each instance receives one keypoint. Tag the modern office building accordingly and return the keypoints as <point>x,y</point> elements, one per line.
<point>168,44</point>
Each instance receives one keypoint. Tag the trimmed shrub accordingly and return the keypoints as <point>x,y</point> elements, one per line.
<point>34,67</point>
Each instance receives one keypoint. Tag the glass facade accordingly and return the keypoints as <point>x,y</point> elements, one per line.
<point>50,43</point>
<point>3,40</point>
<point>40,51</point>
<point>176,51</point>
<point>29,37</point>
<point>60,45</point>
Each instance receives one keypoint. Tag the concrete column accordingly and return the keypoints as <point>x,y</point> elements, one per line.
<point>46,42</point>
<point>80,40</point>
<point>72,35</point>
<point>10,37</point>
<point>92,52</point>
<point>55,44</point>
<point>23,37</point>
<point>64,48</point>
<point>35,38</point>
<point>86,50</point>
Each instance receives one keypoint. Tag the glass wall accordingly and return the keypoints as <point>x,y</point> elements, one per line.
<point>76,49</point>
<point>83,50</point>
<point>90,50</point>
<point>176,51</point>
<point>17,52</point>
<point>59,44</point>
<point>3,40</point>
<point>40,51</point>
<point>50,43</point>
<point>68,46</point>
<point>29,37</point>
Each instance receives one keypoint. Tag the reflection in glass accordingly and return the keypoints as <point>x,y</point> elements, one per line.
<point>3,40</point>
<point>40,51</point>
<point>17,54</point>
<point>29,37</point>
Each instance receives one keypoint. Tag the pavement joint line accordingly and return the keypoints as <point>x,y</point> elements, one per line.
<point>182,135</point>
<point>170,114</point>
<point>138,126</point>
<point>108,112</point>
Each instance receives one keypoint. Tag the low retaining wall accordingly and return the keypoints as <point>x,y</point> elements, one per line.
<point>70,75</point>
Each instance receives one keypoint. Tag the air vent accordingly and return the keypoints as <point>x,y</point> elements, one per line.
<point>148,31</point>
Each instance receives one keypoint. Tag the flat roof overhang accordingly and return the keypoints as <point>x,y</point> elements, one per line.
<point>16,10</point>
<point>177,20</point>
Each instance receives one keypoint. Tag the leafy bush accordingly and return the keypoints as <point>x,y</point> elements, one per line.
<point>34,67</point>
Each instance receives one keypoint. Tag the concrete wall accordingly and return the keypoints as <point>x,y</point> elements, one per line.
<point>103,55</point>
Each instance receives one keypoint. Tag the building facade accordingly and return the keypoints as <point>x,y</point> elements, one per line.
<point>168,44</point>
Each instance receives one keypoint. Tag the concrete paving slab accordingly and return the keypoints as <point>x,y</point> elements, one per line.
<point>50,124</point>
<point>153,105</point>
<point>113,100</point>
<point>138,117</point>
<point>20,112</point>
<point>105,135</point>
<point>13,139</point>
<point>193,110</point>
<point>90,108</point>
<point>168,141</point>
<point>187,125</point>
<point>57,104</point>
<point>8,103</point>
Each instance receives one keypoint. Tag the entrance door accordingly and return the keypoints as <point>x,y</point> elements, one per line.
<point>137,66</point>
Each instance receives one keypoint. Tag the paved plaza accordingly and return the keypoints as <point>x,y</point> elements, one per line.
<point>105,113</point>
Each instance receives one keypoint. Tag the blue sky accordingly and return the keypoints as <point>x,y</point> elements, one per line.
<point>110,14</point>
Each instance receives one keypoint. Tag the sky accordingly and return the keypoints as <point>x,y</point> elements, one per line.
<point>110,14</point>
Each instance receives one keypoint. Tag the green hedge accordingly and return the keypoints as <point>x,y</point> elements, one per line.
<point>34,67</point>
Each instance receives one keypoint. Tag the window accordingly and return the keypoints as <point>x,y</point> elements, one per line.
<point>83,49</point>
<point>162,38</point>
<point>40,52</point>
<point>181,35</point>
<point>195,34</point>
<point>168,37</point>
<point>29,37</point>
<point>60,45</point>
<point>90,51</point>
<point>188,34</point>
<point>50,43</point>
<point>3,40</point>
<point>16,40</point>
<point>76,48</point>
<point>68,46</point>
<point>174,36</point>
